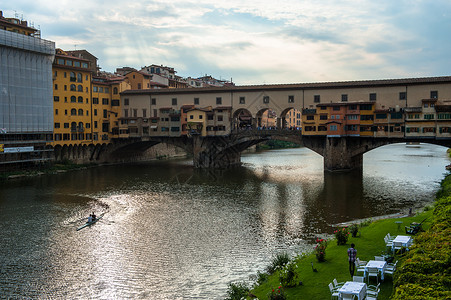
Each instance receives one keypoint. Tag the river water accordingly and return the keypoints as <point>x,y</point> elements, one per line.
<point>172,232</point>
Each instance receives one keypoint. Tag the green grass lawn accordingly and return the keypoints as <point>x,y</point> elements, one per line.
<point>368,244</point>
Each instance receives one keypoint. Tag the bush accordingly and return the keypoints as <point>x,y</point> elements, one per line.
<point>424,270</point>
<point>237,291</point>
<point>320,249</point>
<point>366,222</point>
<point>288,276</point>
<point>354,229</point>
<point>262,277</point>
<point>341,235</point>
<point>278,262</point>
<point>277,294</point>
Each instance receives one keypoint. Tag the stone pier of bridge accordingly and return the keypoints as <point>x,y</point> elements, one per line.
<point>339,153</point>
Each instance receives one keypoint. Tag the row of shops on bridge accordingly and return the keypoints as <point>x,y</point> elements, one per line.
<point>431,120</point>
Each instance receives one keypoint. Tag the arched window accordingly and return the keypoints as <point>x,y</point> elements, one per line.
<point>73,99</point>
<point>73,112</point>
<point>80,88</point>
<point>80,112</point>
<point>79,77</point>
<point>73,126</point>
<point>73,87</point>
<point>80,126</point>
<point>80,99</point>
<point>115,91</point>
<point>72,77</point>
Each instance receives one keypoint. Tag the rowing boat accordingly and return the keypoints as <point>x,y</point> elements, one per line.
<point>90,223</point>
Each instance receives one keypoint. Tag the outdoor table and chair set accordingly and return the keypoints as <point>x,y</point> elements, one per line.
<point>379,267</point>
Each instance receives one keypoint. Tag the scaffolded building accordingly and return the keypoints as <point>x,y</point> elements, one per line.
<point>26,98</point>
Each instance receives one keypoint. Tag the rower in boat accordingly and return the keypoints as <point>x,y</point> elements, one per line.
<point>92,219</point>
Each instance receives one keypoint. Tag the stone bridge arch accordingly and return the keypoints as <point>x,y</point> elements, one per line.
<point>282,117</point>
<point>134,149</point>
<point>263,118</point>
<point>241,119</point>
<point>224,152</point>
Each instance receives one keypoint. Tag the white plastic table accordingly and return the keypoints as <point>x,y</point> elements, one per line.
<point>353,288</point>
<point>404,239</point>
<point>379,264</point>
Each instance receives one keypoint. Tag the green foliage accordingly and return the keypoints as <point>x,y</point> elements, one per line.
<point>341,235</point>
<point>425,270</point>
<point>237,291</point>
<point>277,294</point>
<point>354,229</point>
<point>428,207</point>
<point>366,222</point>
<point>419,292</point>
<point>278,262</point>
<point>262,277</point>
<point>320,250</point>
<point>288,276</point>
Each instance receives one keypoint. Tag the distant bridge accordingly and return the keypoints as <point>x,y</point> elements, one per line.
<point>339,153</point>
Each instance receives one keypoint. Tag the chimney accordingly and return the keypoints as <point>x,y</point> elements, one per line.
<point>1,14</point>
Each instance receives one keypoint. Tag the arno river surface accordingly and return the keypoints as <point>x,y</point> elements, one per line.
<point>171,232</point>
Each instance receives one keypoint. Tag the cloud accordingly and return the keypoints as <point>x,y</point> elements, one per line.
<point>258,41</point>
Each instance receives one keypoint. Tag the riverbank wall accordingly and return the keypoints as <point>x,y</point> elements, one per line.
<point>78,162</point>
<point>84,155</point>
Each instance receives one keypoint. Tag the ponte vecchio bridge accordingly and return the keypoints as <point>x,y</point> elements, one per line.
<point>340,120</point>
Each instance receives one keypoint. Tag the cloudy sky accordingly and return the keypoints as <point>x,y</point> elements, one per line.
<point>254,42</point>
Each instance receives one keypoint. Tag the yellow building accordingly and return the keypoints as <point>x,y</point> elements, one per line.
<point>292,119</point>
<point>18,26</point>
<point>197,121</point>
<point>106,107</point>
<point>366,118</point>
<point>86,106</point>
<point>310,121</point>
<point>71,100</point>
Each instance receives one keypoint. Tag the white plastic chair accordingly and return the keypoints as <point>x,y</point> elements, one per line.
<point>397,246</point>
<point>337,285</point>
<point>360,266</point>
<point>333,292</point>
<point>390,238</point>
<point>379,258</point>
<point>347,297</point>
<point>360,262</point>
<point>373,289</point>
<point>388,242</point>
<point>391,267</point>
<point>358,278</point>
<point>373,272</point>
<point>372,295</point>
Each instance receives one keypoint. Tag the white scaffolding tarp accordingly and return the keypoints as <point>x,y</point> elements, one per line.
<point>26,87</point>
